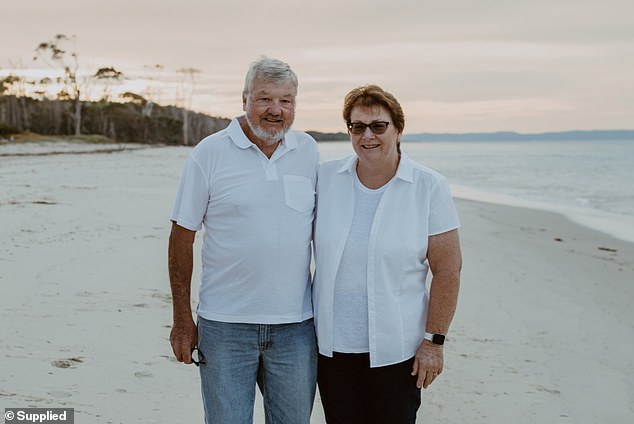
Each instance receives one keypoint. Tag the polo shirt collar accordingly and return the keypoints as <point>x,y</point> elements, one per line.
<point>239,138</point>
<point>237,135</point>
<point>289,140</point>
<point>404,171</point>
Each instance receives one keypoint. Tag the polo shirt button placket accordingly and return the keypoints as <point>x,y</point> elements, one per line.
<point>271,172</point>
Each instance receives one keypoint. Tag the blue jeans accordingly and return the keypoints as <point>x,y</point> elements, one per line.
<point>280,358</point>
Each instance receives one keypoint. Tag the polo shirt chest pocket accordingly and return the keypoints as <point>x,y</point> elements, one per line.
<point>299,193</point>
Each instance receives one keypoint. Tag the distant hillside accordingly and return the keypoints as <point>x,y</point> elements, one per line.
<point>590,135</point>
<point>596,135</point>
<point>320,136</point>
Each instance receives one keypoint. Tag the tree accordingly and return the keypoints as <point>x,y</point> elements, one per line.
<point>185,96</point>
<point>135,98</point>
<point>152,91</point>
<point>14,86</point>
<point>55,54</point>
<point>10,85</point>
<point>108,76</point>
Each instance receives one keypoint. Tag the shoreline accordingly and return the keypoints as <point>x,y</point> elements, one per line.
<point>617,226</point>
<point>543,330</point>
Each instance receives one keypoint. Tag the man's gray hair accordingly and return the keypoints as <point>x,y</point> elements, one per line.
<point>269,70</point>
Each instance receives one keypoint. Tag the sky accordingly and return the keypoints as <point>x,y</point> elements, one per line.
<point>455,66</point>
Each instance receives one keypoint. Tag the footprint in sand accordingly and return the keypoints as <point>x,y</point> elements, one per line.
<point>143,374</point>
<point>541,388</point>
<point>164,297</point>
<point>59,394</point>
<point>607,249</point>
<point>67,362</point>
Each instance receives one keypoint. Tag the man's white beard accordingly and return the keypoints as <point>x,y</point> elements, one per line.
<point>264,135</point>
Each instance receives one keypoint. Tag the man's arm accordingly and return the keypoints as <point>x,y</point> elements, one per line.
<point>184,334</point>
<point>445,262</point>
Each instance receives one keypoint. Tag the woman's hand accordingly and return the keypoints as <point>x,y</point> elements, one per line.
<point>428,363</point>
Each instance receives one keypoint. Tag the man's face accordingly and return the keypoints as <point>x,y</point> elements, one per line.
<point>270,109</point>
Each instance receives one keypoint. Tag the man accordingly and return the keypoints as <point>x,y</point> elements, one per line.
<point>252,188</point>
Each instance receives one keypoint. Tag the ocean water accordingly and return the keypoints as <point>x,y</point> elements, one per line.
<point>591,182</point>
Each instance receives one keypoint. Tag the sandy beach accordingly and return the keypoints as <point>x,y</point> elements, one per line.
<point>544,331</point>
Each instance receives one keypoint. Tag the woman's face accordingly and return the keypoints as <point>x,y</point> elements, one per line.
<point>370,147</point>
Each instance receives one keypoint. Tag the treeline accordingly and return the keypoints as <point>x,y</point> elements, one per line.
<point>135,121</point>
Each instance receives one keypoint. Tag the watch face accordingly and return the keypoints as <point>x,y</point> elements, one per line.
<point>438,339</point>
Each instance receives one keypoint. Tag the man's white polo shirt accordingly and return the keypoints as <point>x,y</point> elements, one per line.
<point>415,205</point>
<point>257,214</point>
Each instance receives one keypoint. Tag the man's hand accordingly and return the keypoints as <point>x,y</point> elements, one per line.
<point>183,338</point>
<point>428,363</point>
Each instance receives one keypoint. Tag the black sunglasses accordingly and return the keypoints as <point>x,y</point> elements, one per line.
<point>377,127</point>
<point>197,357</point>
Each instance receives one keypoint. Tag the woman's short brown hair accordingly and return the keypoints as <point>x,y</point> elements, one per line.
<point>374,96</point>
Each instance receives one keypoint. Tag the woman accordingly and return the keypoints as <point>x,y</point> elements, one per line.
<point>382,221</point>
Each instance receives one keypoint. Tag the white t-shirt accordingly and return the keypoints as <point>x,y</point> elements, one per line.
<point>415,205</point>
<point>350,310</point>
<point>257,216</point>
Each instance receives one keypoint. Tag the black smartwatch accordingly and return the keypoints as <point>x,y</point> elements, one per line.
<point>435,338</point>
